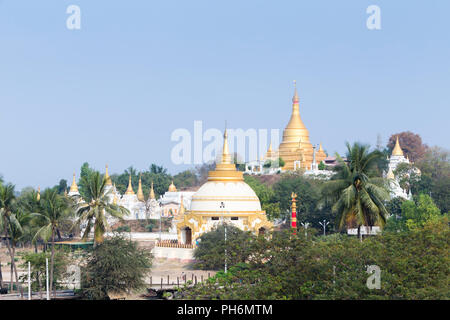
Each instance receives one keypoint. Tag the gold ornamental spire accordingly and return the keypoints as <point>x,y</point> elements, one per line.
<point>397,151</point>
<point>295,97</point>
<point>226,169</point>
<point>73,187</point>
<point>172,187</point>
<point>130,187</point>
<point>226,156</point>
<point>38,197</point>
<point>152,192</point>
<point>295,122</point>
<point>115,195</point>
<point>140,194</point>
<point>320,147</point>
<point>107,177</point>
<point>182,210</point>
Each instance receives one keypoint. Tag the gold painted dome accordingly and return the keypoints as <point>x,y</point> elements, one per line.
<point>172,187</point>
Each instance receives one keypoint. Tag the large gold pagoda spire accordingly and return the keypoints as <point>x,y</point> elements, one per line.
<point>130,187</point>
<point>73,187</point>
<point>140,194</point>
<point>226,169</point>
<point>397,151</point>
<point>295,132</point>
<point>107,177</point>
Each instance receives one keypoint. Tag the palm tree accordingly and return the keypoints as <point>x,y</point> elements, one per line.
<point>17,223</point>
<point>357,190</point>
<point>55,209</point>
<point>7,199</point>
<point>96,206</point>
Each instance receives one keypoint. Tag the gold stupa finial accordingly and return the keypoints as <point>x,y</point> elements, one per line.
<point>172,187</point>
<point>320,147</point>
<point>270,147</point>
<point>225,169</point>
<point>295,98</point>
<point>38,196</point>
<point>397,151</point>
<point>152,192</point>
<point>226,156</point>
<point>140,194</point>
<point>130,187</point>
<point>73,187</point>
<point>294,200</point>
<point>107,177</point>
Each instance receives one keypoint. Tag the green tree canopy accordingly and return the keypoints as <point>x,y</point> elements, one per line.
<point>210,252</point>
<point>116,266</point>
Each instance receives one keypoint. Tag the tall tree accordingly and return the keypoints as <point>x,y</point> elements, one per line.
<point>7,199</point>
<point>55,209</point>
<point>86,172</point>
<point>17,222</point>
<point>356,190</point>
<point>95,207</point>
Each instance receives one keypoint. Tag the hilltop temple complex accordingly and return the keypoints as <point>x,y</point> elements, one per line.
<point>295,148</point>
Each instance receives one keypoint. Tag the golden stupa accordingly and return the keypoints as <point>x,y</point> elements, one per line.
<point>295,145</point>
<point>152,193</point>
<point>74,186</point>
<point>140,193</point>
<point>172,187</point>
<point>130,187</point>
<point>397,151</point>
<point>107,177</point>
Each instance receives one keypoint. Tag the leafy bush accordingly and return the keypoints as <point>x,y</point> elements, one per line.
<point>210,252</point>
<point>125,228</point>
<point>115,266</point>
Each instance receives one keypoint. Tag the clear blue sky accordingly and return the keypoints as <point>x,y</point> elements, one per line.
<point>114,91</point>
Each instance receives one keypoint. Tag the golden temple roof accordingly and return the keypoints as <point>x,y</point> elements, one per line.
<point>320,147</point>
<point>73,187</point>
<point>226,169</point>
<point>107,177</point>
<point>172,187</point>
<point>140,194</point>
<point>397,151</point>
<point>152,193</point>
<point>130,187</point>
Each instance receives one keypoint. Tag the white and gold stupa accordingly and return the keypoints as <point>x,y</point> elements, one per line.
<point>225,197</point>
